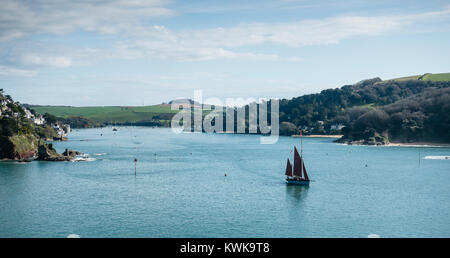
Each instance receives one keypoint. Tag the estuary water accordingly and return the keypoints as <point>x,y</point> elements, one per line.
<point>180,189</point>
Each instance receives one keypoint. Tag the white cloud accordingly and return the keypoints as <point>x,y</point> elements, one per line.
<point>304,32</point>
<point>10,71</point>
<point>180,52</point>
<point>222,43</point>
<point>21,18</point>
<point>48,61</point>
<point>137,40</point>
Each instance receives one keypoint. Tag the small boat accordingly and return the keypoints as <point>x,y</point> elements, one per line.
<point>296,175</point>
<point>115,129</point>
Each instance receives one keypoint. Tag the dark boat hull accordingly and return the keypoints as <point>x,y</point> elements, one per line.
<point>297,182</point>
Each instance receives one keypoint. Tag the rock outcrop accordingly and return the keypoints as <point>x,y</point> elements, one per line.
<point>373,139</point>
<point>46,152</point>
<point>71,153</point>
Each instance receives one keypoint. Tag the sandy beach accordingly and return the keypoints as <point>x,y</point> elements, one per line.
<point>319,136</point>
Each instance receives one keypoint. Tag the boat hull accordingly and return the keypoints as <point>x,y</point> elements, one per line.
<point>297,182</point>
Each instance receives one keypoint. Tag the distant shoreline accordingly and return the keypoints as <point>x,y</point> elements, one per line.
<point>333,136</point>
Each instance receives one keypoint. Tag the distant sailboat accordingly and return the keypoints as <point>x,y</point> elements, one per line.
<point>298,174</point>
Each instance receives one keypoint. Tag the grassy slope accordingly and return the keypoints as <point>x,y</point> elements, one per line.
<point>109,113</point>
<point>414,77</point>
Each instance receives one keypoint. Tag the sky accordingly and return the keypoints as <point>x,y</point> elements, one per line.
<point>145,52</point>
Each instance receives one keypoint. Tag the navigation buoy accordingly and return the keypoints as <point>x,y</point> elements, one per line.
<point>135,164</point>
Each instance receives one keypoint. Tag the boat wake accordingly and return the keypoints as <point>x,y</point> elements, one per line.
<point>83,157</point>
<point>17,162</point>
<point>437,157</point>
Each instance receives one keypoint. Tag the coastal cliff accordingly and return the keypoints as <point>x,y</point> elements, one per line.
<point>23,132</point>
<point>18,147</point>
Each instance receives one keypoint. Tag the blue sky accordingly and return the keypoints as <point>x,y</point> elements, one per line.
<point>90,53</point>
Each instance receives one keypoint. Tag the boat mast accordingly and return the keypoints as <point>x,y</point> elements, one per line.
<point>301,144</point>
<point>301,153</point>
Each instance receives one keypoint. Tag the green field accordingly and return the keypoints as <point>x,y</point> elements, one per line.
<point>437,77</point>
<point>110,114</point>
<point>443,77</point>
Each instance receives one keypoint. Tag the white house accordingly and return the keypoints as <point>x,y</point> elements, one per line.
<point>28,114</point>
<point>39,120</point>
<point>337,127</point>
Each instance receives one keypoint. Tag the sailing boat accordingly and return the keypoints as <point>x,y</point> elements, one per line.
<point>298,174</point>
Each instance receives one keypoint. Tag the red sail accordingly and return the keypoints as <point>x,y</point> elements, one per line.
<point>297,163</point>
<point>304,172</point>
<point>288,168</point>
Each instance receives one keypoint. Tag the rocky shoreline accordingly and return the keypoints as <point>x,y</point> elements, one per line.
<point>26,148</point>
<point>363,142</point>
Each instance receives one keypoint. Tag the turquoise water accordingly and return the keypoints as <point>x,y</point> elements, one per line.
<point>182,191</point>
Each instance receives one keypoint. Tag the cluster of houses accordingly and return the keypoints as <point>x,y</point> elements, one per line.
<point>37,119</point>
<point>62,130</point>
<point>321,126</point>
<point>6,111</point>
